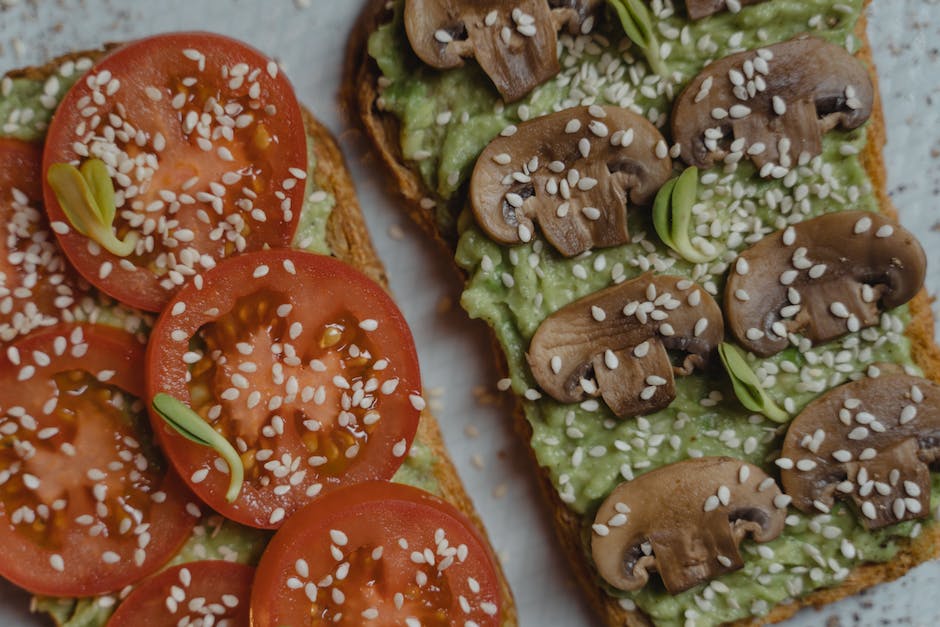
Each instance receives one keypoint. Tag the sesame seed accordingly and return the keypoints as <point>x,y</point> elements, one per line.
<point>417,402</point>
<point>110,557</point>
<point>885,231</point>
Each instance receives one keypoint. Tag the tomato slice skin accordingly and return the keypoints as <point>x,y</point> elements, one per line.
<point>33,271</point>
<point>205,142</point>
<point>335,541</point>
<point>63,462</point>
<point>164,599</point>
<point>303,363</point>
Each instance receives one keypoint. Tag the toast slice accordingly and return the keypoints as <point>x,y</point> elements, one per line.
<point>419,201</point>
<point>348,240</point>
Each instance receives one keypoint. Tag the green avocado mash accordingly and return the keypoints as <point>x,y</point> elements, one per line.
<point>26,106</point>
<point>448,117</point>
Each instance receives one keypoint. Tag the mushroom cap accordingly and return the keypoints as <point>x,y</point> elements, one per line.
<point>698,9</point>
<point>619,337</point>
<point>515,44</point>
<point>685,521</point>
<point>869,441</point>
<point>779,100</point>
<point>863,262</point>
<point>570,172</point>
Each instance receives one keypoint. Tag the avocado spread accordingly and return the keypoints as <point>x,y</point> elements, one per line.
<point>447,118</point>
<point>26,106</point>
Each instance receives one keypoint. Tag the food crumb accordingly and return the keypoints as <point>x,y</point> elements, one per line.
<point>396,232</point>
<point>484,396</point>
<point>477,461</point>
<point>445,304</point>
<point>471,431</point>
<point>500,491</point>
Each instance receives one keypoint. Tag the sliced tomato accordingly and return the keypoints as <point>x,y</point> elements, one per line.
<point>36,283</point>
<point>86,504</point>
<point>205,143</point>
<point>377,553</point>
<point>197,593</point>
<point>302,363</point>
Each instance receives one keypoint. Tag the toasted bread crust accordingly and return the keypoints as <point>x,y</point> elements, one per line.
<point>383,129</point>
<point>349,240</point>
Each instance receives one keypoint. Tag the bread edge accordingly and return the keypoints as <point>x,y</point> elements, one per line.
<point>361,92</point>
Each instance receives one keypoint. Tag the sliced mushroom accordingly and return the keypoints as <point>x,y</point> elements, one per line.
<point>703,8</point>
<point>772,104</point>
<point>515,43</point>
<point>614,343</point>
<point>870,441</point>
<point>573,172</point>
<point>685,521</point>
<point>821,279</point>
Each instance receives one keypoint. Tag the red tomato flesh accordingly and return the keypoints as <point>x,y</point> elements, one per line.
<point>36,284</point>
<point>304,364</point>
<point>86,504</point>
<point>205,143</point>
<point>196,593</point>
<point>377,553</point>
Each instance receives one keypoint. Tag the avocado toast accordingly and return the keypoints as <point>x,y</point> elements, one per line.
<point>330,223</point>
<point>407,109</point>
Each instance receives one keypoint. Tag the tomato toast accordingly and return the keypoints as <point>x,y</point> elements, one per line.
<point>160,240</point>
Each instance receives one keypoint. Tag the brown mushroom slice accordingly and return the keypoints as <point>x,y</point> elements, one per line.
<point>614,343</point>
<point>821,279</point>
<point>872,442</point>
<point>703,8</point>
<point>685,521</point>
<point>772,104</point>
<point>573,172</point>
<point>515,43</point>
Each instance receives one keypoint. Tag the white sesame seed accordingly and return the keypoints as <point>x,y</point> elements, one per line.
<point>110,557</point>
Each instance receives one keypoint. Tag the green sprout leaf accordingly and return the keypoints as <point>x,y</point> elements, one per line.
<point>87,200</point>
<point>672,215</point>
<point>638,26</point>
<point>191,426</point>
<point>746,385</point>
<point>661,209</point>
